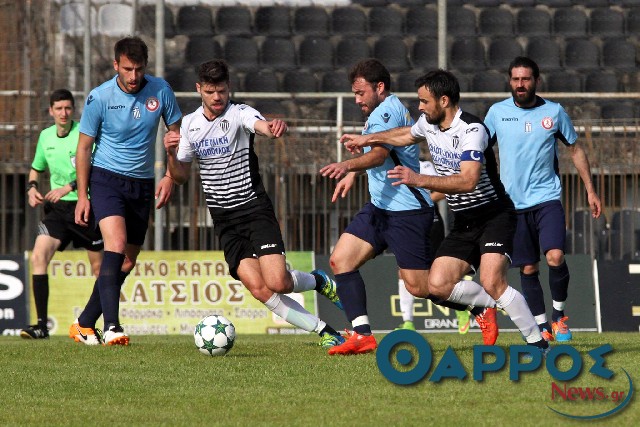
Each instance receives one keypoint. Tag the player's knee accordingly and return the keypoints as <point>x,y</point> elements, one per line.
<point>555,258</point>
<point>439,287</point>
<point>261,293</point>
<point>38,259</point>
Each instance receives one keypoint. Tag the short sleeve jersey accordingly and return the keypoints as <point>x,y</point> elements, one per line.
<point>124,125</point>
<point>466,140</point>
<point>59,155</point>
<point>527,138</point>
<point>391,113</point>
<point>229,168</point>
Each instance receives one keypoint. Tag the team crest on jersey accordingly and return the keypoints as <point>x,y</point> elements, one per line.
<point>224,125</point>
<point>366,126</point>
<point>456,142</point>
<point>152,103</point>
<point>136,112</point>
<point>547,123</point>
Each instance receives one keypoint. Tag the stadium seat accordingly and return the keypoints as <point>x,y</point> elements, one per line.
<point>273,21</point>
<point>546,53</point>
<point>606,22</point>
<point>406,81</point>
<point>195,21</point>
<point>581,54</point>
<point>182,79</point>
<point>241,53</point>
<point>467,54</point>
<point>570,22</point>
<point>555,3</point>
<point>311,20</point>
<point>115,20</point>
<point>315,53</point>
<point>299,81</point>
<point>532,22</point>
<point>461,22</point>
<point>619,54</point>
<point>410,3</point>
<point>522,3</point>
<point>424,53</point>
<point>348,20</point>
<point>496,22</point>
<point>385,21</point>
<point>336,81</point>
<point>72,19</point>
<point>564,81</point>
<point>200,49</point>
<point>485,3</point>
<point>626,220</point>
<point>502,51</point>
<point>146,21</point>
<point>591,3</point>
<point>618,110</point>
<point>633,20</point>
<point>350,50</point>
<point>351,112</point>
<point>421,21</point>
<point>261,81</point>
<point>234,21</point>
<point>601,81</point>
<point>489,81</point>
<point>392,51</point>
<point>370,3</point>
<point>278,53</point>
<point>271,109</point>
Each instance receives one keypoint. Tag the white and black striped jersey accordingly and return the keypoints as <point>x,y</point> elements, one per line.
<point>228,164</point>
<point>466,140</point>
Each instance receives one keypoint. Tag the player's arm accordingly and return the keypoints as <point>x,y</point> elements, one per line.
<point>178,170</point>
<point>581,162</point>
<point>375,157</point>
<point>399,137</point>
<point>164,190</point>
<point>271,129</point>
<point>83,166</point>
<point>35,198</point>
<point>464,182</point>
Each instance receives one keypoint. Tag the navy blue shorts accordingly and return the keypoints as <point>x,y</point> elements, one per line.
<point>117,195</point>
<point>406,234</point>
<point>543,228</point>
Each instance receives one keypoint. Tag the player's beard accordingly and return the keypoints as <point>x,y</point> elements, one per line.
<point>525,98</point>
<point>436,118</point>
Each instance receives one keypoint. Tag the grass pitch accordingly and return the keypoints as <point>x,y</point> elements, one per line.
<point>287,381</point>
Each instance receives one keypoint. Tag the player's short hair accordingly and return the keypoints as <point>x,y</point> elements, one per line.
<point>372,71</point>
<point>213,72</point>
<point>61,95</point>
<point>133,48</point>
<point>523,61</point>
<point>440,82</point>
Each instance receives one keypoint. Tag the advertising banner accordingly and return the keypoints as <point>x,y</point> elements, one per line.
<point>619,295</point>
<point>169,292</point>
<point>13,295</point>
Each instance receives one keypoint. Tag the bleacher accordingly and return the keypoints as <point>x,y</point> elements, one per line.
<point>581,46</point>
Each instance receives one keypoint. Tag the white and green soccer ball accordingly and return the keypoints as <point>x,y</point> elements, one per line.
<point>214,335</point>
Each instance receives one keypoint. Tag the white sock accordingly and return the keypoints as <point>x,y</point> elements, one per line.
<point>360,320</point>
<point>292,312</point>
<point>541,318</point>
<point>406,302</point>
<point>468,292</point>
<point>516,307</point>
<point>559,305</point>
<point>302,281</point>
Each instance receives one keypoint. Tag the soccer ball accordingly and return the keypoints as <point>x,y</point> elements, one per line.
<point>214,335</point>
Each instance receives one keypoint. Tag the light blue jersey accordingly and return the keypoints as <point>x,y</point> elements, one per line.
<point>388,115</point>
<point>124,125</point>
<point>528,149</point>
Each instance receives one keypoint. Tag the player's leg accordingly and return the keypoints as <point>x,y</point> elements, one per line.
<point>551,223</point>
<point>406,305</point>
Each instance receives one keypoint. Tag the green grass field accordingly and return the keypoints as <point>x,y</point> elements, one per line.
<point>285,380</point>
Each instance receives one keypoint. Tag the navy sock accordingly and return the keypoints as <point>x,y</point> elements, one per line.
<point>109,286</point>
<point>40,286</point>
<point>353,296</point>
<point>448,304</point>
<point>559,283</point>
<point>93,309</point>
<point>532,291</point>
<point>476,311</point>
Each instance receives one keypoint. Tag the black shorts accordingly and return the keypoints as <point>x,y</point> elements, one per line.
<point>250,236</point>
<point>470,239</point>
<point>117,195</point>
<point>59,223</point>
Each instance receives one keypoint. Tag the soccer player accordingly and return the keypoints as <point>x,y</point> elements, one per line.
<point>56,151</point>
<point>484,219</point>
<point>122,117</point>
<point>219,135</point>
<point>528,128</point>
<point>397,217</point>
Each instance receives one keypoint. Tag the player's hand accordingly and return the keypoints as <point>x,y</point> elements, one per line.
<point>277,127</point>
<point>594,205</point>
<point>335,170</point>
<point>35,198</point>
<point>343,186</point>
<point>164,191</point>
<point>83,206</point>
<point>54,196</point>
<point>354,143</point>
<point>171,141</point>
<point>404,175</point>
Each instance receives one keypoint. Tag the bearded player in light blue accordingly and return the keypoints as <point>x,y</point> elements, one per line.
<point>528,128</point>
<point>122,117</point>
